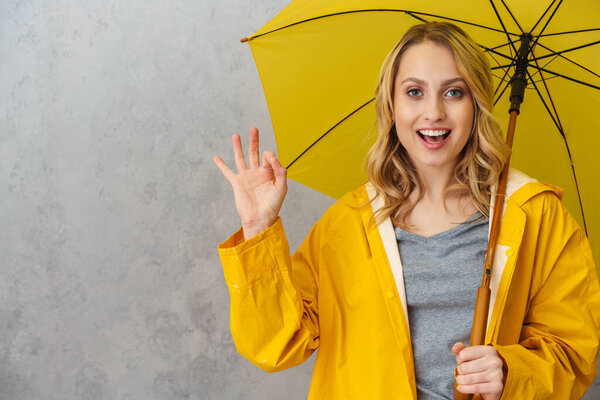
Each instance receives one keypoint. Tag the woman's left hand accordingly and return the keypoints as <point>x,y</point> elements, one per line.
<point>480,370</point>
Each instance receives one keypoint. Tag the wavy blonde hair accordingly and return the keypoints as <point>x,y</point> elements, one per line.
<point>388,166</point>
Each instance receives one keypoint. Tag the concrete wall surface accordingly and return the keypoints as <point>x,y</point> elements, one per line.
<point>110,205</point>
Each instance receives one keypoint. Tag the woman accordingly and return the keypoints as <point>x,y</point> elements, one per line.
<point>384,284</point>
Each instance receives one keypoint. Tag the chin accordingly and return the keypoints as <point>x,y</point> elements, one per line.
<point>437,163</point>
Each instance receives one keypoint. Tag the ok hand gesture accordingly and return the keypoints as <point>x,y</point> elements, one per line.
<point>258,190</point>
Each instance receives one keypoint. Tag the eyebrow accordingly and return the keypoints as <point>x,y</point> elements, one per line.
<point>423,83</point>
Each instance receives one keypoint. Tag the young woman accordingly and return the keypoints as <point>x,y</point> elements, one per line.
<point>384,285</point>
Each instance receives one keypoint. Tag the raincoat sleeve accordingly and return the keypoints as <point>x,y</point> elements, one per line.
<point>274,312</point>
<point>557,351</point>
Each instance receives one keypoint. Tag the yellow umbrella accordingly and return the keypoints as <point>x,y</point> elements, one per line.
<point>319,63</point>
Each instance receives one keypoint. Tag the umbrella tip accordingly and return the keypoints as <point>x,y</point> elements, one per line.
<point>246,39</point>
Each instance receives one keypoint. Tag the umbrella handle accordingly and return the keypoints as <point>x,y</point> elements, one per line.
<point>479,324</point>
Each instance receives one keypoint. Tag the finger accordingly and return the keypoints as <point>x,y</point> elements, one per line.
<point>279,170</point>
<point>227,173</point>
<point>487,387</point>
<point>473,352</point>
<point>267,156</point>
<point>487,363</point>
<point>480,377</point>
<point>253,149</point>
<point>240,161</point>
<point>458,347</point>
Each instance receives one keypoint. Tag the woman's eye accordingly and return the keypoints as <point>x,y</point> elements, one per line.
<point>414,92</point>
<point>454,92</point>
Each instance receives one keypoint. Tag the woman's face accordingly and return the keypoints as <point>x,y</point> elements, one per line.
<point>433,107</point>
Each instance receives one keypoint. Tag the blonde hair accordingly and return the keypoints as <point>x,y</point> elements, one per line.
<point>388,166</point>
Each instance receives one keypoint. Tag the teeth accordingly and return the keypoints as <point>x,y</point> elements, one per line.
<point>429,132</point>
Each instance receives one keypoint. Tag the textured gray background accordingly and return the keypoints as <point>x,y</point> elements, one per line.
<point>111,208</point>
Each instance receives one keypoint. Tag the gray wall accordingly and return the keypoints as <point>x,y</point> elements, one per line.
<point>110,206</point>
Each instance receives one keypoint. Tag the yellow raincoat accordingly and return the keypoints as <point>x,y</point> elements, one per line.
<point>342,292</point>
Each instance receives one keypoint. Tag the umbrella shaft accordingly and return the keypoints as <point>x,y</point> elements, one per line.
<point>482,304</point>
<point>498,204</point>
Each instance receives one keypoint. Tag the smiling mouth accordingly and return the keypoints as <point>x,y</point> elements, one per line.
<point>434,136</point>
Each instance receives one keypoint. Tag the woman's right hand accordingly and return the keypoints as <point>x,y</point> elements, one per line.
<point>258,190</point>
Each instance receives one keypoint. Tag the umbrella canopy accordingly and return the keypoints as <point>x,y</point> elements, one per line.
<point>319,64</point>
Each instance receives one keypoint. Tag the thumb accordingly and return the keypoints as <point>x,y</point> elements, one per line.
<point>458,347</point>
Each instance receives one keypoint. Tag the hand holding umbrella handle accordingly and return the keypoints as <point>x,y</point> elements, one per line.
<point>258,190</point>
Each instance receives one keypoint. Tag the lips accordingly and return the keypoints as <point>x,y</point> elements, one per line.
<point>434,139</point>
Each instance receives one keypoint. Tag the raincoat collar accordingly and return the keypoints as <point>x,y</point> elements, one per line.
<point>519,189</point>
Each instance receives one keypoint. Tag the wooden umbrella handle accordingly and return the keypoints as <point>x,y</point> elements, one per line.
<point>482,303</point>
<point>478,332</point>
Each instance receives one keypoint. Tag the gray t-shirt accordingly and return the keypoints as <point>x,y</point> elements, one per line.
<point>441,275</point>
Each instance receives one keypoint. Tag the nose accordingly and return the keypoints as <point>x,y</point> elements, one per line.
<point>434,109</point>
